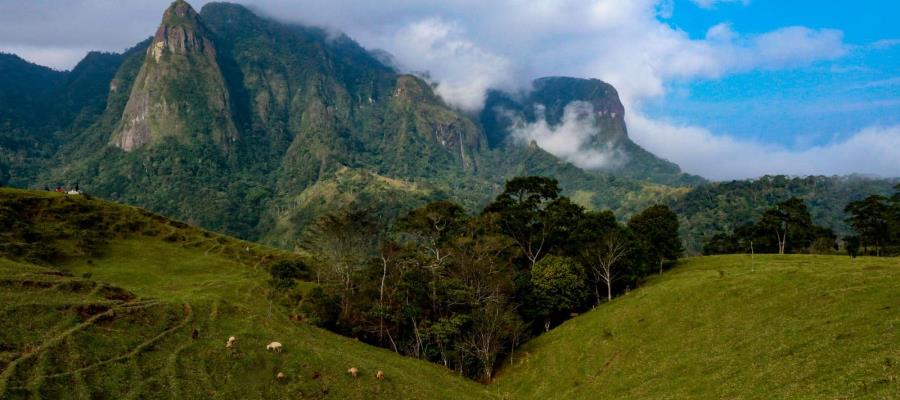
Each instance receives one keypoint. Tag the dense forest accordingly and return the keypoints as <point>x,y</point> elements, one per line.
<point>788,228</point>
<point>465,290</point>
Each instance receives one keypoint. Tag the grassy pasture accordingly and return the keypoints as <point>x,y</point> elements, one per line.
<point>724,327</point>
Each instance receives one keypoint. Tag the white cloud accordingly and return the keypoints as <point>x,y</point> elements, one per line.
<point>571,139</point>
<point>873,150</point>
<point>463,71</point>
<point>712,3</point>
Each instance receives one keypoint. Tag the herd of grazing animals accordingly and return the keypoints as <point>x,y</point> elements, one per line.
<point>277,347</point>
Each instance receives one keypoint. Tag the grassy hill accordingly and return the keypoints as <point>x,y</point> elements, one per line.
<point>725,327</point>
<point>101,301</point>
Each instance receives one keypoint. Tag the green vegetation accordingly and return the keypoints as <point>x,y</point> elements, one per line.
<point>145,312</point>
<point>466,290</point>
<point>719,207</point>
<point>786,228</point>
<point>772,326</point>
<point>876,220</point>
<point>127,304</point>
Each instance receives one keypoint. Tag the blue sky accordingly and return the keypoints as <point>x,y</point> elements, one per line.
<point>724,88</point>
<point>801,106</point>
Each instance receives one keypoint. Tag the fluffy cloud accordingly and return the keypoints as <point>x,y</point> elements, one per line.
<point>571,139</point>
<point>872,150</point>
<point>463,71</point>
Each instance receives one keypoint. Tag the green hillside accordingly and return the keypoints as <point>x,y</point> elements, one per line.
<point>101,301</point>
<point>729,327</point>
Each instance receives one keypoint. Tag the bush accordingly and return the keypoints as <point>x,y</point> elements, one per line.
<point>320,308</point>
<point>285,272</point>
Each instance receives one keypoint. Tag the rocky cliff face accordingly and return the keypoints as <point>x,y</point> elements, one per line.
<point>179,91</point>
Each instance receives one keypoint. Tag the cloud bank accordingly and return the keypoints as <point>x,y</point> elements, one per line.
<point>873,150</point>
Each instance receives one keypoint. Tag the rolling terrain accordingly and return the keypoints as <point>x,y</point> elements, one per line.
<point>103,301</point>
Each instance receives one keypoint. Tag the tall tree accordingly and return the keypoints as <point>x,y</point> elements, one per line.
<point>871,219</point>
<point>658,227</point>
<point>344,243</point>
<point>790,217</point>
<point>532,213</point>
<point>429,229</point>
<point>558,285</point>
<point>606,261</point>
<point>492,326</point>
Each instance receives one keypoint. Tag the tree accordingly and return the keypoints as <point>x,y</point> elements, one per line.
<point>492,325</point>
<point>871,218</point>
<point>284,274</point>
<point>429,229</point>
<point>320,308</point>
<point>790,217</point>
<point>531,211</point>
<point>658,227</point>
<point>852,244</point>
<point>344,243</point>
<point>605,259</point>
<point>558,285</point>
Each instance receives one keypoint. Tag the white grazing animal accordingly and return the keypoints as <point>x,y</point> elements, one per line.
<point>353,371</point>
<point>274,346</point>
<point>231,341</point>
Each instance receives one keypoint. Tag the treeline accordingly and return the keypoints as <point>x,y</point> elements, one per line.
<point>788,228</point>
<point>725,206</point>
<point>465,290</point>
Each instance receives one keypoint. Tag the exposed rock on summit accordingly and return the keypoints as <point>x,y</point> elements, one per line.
<point>180,91</point>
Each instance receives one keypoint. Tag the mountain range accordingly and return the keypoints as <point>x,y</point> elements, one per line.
<point>253,127</point>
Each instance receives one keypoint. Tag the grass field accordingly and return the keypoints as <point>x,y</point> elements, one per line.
<point>785,327</point>
<point>118,324</point>
<point>112,315</point>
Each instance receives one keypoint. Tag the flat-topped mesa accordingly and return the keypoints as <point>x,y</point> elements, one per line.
<point>179,92</point>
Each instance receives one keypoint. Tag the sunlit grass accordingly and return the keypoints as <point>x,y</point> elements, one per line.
<point>721,327</point>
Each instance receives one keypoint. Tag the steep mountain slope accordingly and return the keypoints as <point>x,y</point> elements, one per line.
<point>131,305</point>
<point>179,91</point>
<point>729,327</point>
<point>26,90</point>
<point>38,106</point>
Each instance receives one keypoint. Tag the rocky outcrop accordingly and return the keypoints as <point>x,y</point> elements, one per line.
<point>179,91</point>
